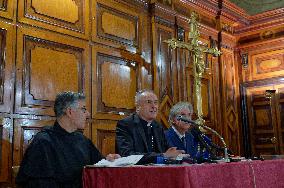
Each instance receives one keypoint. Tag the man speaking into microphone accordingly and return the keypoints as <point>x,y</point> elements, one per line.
<point>186,136</point>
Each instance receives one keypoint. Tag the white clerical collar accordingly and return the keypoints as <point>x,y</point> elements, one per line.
<point>176,131</point>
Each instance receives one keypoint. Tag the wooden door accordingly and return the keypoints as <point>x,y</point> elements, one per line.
<point>264,119</point>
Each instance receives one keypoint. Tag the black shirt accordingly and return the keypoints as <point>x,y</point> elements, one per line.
<point>151,142</point>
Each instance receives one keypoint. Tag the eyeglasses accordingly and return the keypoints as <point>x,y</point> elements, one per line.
<point>84,109</point>
<point>155,102</point>
<point>184,115</point>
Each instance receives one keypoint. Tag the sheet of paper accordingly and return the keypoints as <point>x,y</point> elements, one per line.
<point>123,161</point>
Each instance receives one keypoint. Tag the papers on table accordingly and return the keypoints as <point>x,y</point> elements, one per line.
<point>123,161</point>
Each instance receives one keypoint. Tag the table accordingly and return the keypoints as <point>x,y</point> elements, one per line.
<point>245,174</point>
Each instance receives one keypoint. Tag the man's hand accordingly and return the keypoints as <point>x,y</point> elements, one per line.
<point>112,157</point>
<point>173,152</point>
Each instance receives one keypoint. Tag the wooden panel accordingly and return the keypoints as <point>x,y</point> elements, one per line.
<point>48,64</point>
<point>6,138</point>
<point>117,73</point>
<point>6,8</point>
<point>165,107</point>
<point>182,56</point>
<point>106,141</point>
<point>268,64</point>
<point>264,60</point>
<point>73,19</point>
<point>112,21</point>
<point>43,71</point>
<point>262,122</point>
<point>279,103</point>
<point>117,81</point>
<point>7,34</point>
<point>24,131</point>
<point>230,129</point>
<point>264,98</point>
<point>146,80</point>
<point>163,61</point>
<point>164,76</point>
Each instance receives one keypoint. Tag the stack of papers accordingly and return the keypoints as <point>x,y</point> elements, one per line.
<point>123,161</point>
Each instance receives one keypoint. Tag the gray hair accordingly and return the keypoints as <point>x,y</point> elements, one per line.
<point>140,93</point>
<point>175,110</point>
<point>66,99</point>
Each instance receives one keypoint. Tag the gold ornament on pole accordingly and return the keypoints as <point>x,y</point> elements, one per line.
<point>198,49</point>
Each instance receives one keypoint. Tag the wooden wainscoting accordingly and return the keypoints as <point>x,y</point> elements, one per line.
<point>106,141</point>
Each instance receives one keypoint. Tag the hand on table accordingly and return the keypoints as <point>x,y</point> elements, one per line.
<point>112,157</point>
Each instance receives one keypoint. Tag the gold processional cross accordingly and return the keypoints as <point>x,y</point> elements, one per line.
<point>198,49</point>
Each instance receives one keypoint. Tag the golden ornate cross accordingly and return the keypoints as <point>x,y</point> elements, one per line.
<point>198,49</point>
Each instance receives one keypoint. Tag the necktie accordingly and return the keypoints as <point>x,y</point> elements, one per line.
<point>183,141</point>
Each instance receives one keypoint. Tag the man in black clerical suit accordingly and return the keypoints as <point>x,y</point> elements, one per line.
<point>139,133</point>
<point>57,154</point>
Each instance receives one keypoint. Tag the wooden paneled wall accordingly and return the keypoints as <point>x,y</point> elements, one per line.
<point>262,91</point>
<point>109,49</point>
<point>101,48</point>
<point>261,57</point>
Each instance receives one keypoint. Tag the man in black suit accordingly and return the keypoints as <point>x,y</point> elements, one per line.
<point>139,133</point>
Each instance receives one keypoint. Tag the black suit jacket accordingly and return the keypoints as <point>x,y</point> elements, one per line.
<point>131,139</point>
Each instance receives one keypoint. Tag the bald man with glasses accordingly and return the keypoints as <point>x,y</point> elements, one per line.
<point>140,133</point>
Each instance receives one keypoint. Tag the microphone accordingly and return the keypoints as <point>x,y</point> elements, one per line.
<point>201,138</point>
<point>193,124</point>
<point>181,118</point>
<point>197,133</point>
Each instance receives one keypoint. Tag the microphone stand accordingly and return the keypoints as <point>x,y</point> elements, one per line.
<point>226,156</point>
<point>196,132</point>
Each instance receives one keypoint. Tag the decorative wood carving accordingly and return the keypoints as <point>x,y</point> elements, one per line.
<point>117,26</point>
<point>263,120</point>
<point>6,9</point>
<point>6,67</point>
<point>3,4</point>
<point>267,64</point>
<point>106,141</point>
<point>2,64</point>
<point>162,15</point>
<point>245,60</point>
<point>6,137</point>
<point>116,75</point>
<point>24,132</point>
<point>280,113</point>
<point>165,107</point>
<point>119,72</point>
<point>265,59</point>
<point>46,68</point>
<point>230,105</point>
<point>72,19</point>
<point>164,64</point>
<point>180,34</point>
<point>69,13</point>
